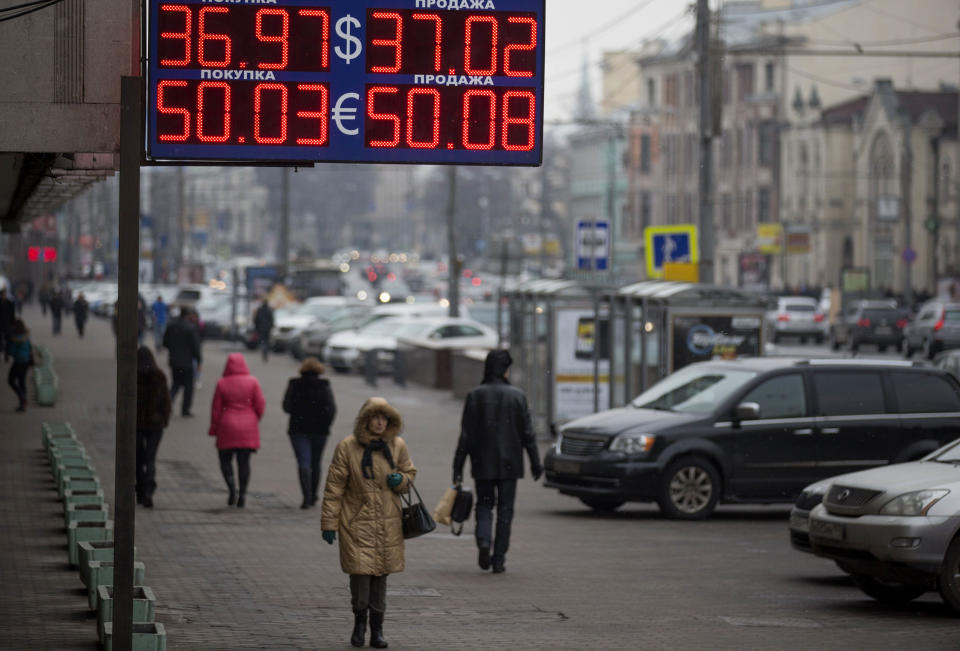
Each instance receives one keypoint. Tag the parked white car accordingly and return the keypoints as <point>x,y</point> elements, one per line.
<point>288,323</point>
<point>345,351</point>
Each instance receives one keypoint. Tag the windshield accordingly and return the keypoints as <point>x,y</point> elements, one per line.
<point>381,327</point>
<point>696,389</point>
<point>951,454</point>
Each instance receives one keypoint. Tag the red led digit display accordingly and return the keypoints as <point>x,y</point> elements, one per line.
<point>244,37</point>
<point>490,43</point>
<point>243,112</point>
<point>448,117</point>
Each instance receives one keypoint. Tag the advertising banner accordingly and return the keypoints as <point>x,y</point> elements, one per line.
<point>573,359</point>
<point>699,338</point>
<point>770,238</point>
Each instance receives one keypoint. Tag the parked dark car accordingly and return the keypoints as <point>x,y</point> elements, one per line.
<point>936,328</point>
<point>753,431</point>
<point>868,322</point>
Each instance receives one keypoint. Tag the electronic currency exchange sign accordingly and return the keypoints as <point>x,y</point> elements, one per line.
<point>385,81</point>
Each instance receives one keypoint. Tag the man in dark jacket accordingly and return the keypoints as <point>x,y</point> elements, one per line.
<point>311,406</point>
<point>263,324</point>
<point>80,311</point>
<point>182,341</point>
<point>7,317</point>
<point>494,432</point>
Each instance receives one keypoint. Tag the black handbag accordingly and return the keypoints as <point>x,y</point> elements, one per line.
<point>417,521</point>
<point>462,507</point>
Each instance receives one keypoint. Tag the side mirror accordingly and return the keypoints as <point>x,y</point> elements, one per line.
<point>747,411</point>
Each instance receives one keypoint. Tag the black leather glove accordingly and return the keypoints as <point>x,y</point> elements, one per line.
<point>536,470</point>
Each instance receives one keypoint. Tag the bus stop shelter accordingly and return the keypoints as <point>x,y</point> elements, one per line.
<point>579,349</point>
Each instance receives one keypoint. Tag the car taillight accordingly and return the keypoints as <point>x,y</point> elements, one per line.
<point>938,326</point>
<point>863,323</point>
<point>783,317</point>
<point>818,317</point>
<point>901,323</point>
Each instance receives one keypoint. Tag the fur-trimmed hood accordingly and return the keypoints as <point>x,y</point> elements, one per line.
<point>376,405</point>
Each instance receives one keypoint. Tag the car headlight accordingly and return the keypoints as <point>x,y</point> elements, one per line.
<point>633,443</point>
<point>915,503</point>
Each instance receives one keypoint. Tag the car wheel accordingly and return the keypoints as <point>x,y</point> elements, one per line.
<point>888,592</point>
<point>250,345</point>
<point>689,489</point>
<point>949,580</point>
<point>905,348</point>
<point>776,338</point>
<point>881,348</point>
<point>854,345</point>
<point>803,340</point>
<point>604,504</point>
<point>834,342</point>
<point>819,339</point>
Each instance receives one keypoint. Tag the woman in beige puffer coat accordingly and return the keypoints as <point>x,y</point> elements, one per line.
<point>361,500</point>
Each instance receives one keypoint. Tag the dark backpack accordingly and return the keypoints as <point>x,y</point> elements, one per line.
<point>462,507</point>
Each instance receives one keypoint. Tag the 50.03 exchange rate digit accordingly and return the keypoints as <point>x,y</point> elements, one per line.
<point>239,112</point>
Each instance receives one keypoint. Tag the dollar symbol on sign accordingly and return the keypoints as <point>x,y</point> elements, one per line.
<point>353,44</point>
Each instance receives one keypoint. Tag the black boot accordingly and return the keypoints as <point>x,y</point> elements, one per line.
<point>305,487</point>
<point>359,627</point>
<point>376,631</point>
<point>232,491</point>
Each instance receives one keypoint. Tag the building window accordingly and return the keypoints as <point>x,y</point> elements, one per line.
<point>646,153</point>
<point>744,81</point>
<point>763,205</point>
<point>766,145</point>
<point>768,77</point>
<point>725,216</point>
<point>651,93</point>
<point>646,210</point>
<point>689,96</point>
<point>671,91</point>
<point>748,209</point>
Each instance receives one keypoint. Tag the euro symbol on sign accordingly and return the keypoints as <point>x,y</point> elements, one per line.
<point>354,46</point>
<point>341,112</point>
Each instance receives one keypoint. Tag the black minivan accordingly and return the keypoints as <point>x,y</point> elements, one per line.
<point>753,431</point>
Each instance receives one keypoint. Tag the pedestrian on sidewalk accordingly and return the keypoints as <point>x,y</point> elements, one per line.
<point>495,430</point>
<point>238,406</point>
<point>361,500</point>
<point>81,309</point>
<point>309,401</point>
<point>8,315</point>
<point>159,310</point>
<point>56,309</point>
<point>263,324</point>
<point>153,415</point>
<point>182,341</point>
<point>20,350</point>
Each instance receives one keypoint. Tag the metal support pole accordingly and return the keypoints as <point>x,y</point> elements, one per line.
<point>596,348</point>
<point>453,292</point>
<point>707,234</point>
<point>235,283</point>
<point>644,316</point>
<point>906,183</point>
<point>283,246</point>
<point>126,432</point>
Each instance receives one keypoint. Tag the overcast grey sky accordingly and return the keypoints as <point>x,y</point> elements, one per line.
<point>585,28</point>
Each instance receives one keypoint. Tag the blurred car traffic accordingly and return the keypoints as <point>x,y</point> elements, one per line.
<point>896,529</point>
<point>877,322</point>
<point>796,316</point>
<point>936,328</point>
<point>288,323</point>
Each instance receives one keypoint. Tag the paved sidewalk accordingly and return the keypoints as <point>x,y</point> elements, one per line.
<point>262,578</point>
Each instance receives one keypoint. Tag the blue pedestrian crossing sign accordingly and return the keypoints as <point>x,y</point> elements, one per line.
<point>669,244</point>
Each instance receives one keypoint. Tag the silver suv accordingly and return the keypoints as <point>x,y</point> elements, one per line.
<point>796,316</point>
<point>935,328</point>
<point>896,529</point>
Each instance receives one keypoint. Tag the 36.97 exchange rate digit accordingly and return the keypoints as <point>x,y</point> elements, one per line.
<point>244,37</point>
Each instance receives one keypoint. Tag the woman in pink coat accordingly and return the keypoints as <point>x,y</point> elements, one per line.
<point>235,420</point>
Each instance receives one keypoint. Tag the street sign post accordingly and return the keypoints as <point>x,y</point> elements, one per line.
<point>375,81</point>
<point>666,244</point>
<point>593,244</point>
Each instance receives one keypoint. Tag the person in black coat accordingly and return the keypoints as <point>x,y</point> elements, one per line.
<point>263,324</point>
<point>56,310</point>
<point>495,430</point>
<point>182,341</point>
<point>309,401</point>
<point>81,310</point>
<point>8,316</point>
<point>153,415</point>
